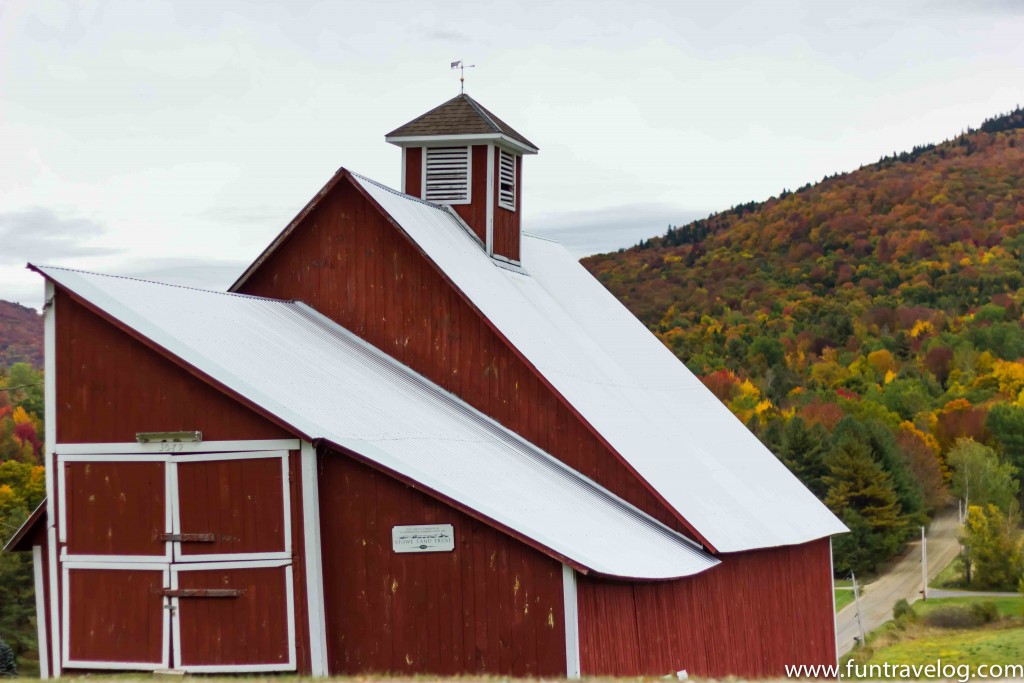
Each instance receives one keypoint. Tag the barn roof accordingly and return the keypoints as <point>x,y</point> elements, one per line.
<point>461,115</point>
<point>327,384</point>
<point>688,447</point>
<point>31,530</point>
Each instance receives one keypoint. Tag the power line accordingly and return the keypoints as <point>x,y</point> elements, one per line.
<point>22,386</point>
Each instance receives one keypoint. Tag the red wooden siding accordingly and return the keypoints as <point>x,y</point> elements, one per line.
<point>492,606</point>
<point>251,628</point>
<point>507,223</point>
<point>116,615</point>
<point>110,386</point>
<point>748,617</point>
<point>475,213</point>
<point>349,262</point>
<point>240,501</point>
<point>115,508</point>
<point>414,171</point>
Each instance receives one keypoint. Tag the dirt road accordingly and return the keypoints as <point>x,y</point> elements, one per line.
<point>901,581</point>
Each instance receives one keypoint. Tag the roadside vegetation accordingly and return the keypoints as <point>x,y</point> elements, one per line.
<point>844,592</point>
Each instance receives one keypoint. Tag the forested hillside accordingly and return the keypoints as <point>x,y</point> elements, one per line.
<point>22,487</point>
<point>868,328</point>
<point>22,478</point>
<point>21,335</point>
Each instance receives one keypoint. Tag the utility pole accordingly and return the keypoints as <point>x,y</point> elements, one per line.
<point>924,565</point>
<point>856,602</point>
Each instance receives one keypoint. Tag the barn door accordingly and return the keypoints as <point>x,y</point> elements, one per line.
<point>177,561</point>
<point>231,578</point>
<point>114,561</point>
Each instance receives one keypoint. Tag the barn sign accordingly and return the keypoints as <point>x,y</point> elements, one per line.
<point>423,538</point>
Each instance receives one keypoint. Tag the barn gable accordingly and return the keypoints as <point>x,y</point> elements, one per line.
<point>112,385</point>
<point>345,257</point>
<point>664,440</point>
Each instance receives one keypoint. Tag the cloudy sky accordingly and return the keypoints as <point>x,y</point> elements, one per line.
<point>173,140</point>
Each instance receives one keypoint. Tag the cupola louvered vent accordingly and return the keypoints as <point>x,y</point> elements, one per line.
<point>506,180</point>
<point>447,174</point>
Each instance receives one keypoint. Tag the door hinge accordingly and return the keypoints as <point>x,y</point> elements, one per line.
<point>186,538</point>
<point>202,592</point>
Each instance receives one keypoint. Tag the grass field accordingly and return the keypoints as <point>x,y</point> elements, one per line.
<point>844,593</point>
<point>1001,642</point>
<point>990,645</point>
<point>1008,607</point>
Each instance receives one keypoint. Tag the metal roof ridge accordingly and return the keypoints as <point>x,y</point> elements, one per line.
<point>527,233</point>
<point>42,268</point>
<point>401,194</point>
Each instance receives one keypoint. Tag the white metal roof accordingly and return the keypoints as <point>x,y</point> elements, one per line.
<point>327,383</point>
<point>656,414</point>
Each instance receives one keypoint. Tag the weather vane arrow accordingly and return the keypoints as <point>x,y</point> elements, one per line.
<point>462,66</point>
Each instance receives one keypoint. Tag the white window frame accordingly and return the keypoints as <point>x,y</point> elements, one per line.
<point>468,199</point>
<point>503,174</point>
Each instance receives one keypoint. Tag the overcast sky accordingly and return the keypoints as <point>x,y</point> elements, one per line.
<point>174,139</point>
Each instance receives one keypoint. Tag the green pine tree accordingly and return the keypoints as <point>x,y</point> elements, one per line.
<point>861,493</point>
<point>802,450</point>
<point>8,667</point>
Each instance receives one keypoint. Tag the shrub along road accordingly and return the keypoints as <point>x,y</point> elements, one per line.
<point>901,582</point>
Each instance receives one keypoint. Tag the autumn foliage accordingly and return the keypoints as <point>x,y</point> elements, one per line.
<point>878,310</point>
<point>22,487</point>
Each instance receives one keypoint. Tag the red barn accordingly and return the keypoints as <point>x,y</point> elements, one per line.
<point>412,438</point>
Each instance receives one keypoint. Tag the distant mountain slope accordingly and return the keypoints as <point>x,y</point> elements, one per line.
<point>867,328</point>
<point>21,335</point>
<point>938,227</point>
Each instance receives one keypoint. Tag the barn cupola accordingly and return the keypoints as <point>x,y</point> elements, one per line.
<point>462,155</point>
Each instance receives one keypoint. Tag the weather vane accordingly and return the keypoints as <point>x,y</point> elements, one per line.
<point>461,66</point>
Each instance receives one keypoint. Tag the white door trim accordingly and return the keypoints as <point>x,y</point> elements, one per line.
<point>286,513</point>
<point>177,447</point>
<point>37,573</point>
<point>225,668</point>
<point>62,525</point>
<point>314,563</point>
<point>572,622</point>
<point>50,439</point>
<point>172,520</point>
<point>124,666</point>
